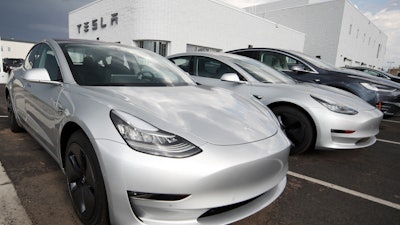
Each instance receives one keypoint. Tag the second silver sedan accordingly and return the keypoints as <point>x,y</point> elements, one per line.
<point>313,116</point>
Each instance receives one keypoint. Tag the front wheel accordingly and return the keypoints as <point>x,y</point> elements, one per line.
<point>85,181</point>
<point>297,127</point>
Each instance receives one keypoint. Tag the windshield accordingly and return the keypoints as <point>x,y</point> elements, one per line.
<point>260,71</point>
<point>116,65</point>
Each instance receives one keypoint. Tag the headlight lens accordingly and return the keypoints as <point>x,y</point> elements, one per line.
<point>146,138</point>
<point>335,107</point>
<point>378,87</point>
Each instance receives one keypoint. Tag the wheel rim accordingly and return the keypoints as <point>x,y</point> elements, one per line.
<point>293,128</point>
<point>81,181</point>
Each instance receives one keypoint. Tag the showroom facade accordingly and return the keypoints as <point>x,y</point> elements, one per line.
<point>336,30</point>
<point>169,27</point>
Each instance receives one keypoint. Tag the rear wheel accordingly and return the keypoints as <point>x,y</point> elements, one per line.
<point>297,127</point>
<point>14,127</point>
<point>85,181</point>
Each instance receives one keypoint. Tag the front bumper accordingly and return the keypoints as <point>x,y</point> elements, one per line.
<point>389,103</point>
<point>221,185</point>
<point>340,131</point>
<point>389,108</point>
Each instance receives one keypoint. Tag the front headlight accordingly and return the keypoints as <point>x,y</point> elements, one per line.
<point>378,87</point>
<point>146,138</point>
<point>335,107</point>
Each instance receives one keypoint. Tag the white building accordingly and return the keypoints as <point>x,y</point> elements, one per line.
<point>175,26</point>
<point>335,30</point>
<point>12,49</point>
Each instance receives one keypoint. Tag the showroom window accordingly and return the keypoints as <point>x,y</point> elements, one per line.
<point>379,49</point>
<point>160,47</point>
<point>197,48</point>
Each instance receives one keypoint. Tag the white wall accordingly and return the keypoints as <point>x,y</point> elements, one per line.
<point>326,25</point>
<point>364,46</point>
<point>208,23</point>
<point>15,49</point>
<point>321,26</point>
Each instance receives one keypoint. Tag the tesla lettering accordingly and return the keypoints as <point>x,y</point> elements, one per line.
<point>95,23</point>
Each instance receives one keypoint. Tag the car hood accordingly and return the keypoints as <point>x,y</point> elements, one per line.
<point>366,77</point>
<point>214,115</point>
<point>324,92</point>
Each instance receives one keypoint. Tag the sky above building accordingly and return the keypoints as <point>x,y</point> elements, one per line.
<point>40,19</point>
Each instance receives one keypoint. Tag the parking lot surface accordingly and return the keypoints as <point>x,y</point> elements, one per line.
<point>324,187</point>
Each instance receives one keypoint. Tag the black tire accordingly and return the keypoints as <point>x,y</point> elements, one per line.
<point>14,127</point>
<point>297,127</point>
<point>85,181</point>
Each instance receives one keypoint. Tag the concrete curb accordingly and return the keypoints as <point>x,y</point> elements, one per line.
<point>11,210</point>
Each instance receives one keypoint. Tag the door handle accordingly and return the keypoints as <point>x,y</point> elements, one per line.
<point>57,106</point>
<point>317,80</point>
<point>60,108</point>
<point>257,97</point>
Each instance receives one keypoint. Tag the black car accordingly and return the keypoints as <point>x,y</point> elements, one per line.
<point>10,63</point>
<point>382,93</point>
<point>375,72</point>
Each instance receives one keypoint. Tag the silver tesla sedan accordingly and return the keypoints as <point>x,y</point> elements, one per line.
<point>312,115</point>
<point>140,142</point>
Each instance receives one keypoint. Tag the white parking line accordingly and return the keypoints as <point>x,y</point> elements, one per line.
<point>3,116</point>
<point>346,190</point>
<point>391,121</point>
<point>387,141</point>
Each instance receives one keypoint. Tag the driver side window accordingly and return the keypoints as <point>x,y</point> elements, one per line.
<point>211,68</point>
<point>281,62</point>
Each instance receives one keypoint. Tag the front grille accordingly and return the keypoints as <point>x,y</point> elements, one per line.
<point>219,210</point>
<point>362,140</point>
<point>156,196</point>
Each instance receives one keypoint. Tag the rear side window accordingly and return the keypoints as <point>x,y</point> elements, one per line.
<point>250,54</point>
<point>32,59</point>
<point>183,63</point>
<point>211,68</point>
<point>281,62</point>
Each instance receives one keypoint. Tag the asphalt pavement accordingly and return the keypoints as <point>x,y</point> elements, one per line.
<point>324,187</point>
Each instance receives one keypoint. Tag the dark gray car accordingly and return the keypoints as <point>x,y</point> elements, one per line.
<point>375,73</point>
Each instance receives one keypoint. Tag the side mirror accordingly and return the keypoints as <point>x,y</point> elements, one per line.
<point>39,75</point>
<point>298,69</point>
<point>231,77</point>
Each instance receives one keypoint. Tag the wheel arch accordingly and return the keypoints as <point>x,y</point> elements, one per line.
<point>7,92</point>
<point>68,129</point>
<point>307,114</point>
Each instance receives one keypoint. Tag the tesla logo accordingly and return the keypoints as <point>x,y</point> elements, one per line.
<point>97,23</point>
